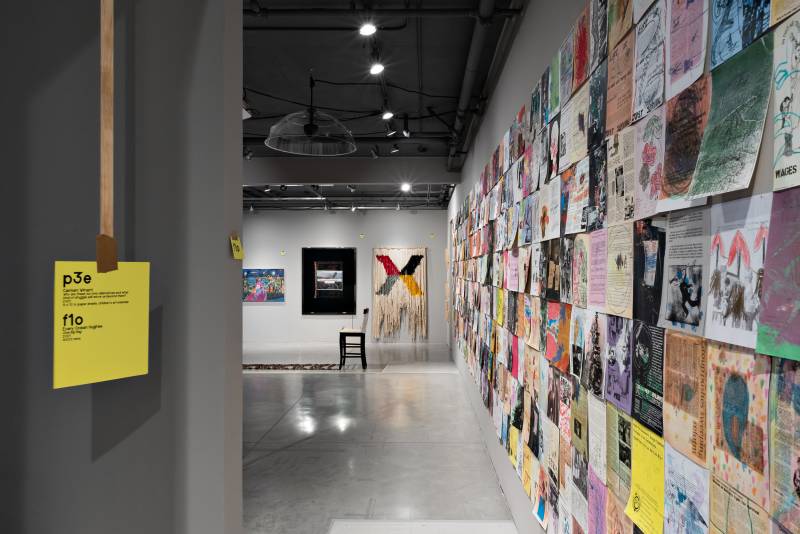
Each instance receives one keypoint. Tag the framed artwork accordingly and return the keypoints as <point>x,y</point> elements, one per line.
<point>329,281</point>
<point>263,285</point>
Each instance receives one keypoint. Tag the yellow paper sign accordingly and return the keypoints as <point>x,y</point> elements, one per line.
<point>236,248</point>
<point>100,322</point>
<point>646,501</point>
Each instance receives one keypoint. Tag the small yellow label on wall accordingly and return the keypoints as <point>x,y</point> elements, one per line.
<point>100,322</point>
<point>236,248</point>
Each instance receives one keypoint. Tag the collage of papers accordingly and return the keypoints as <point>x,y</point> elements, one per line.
<point>635,337</point>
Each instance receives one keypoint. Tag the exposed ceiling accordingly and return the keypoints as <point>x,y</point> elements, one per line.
<point>424,46</point>
<point>351,197</point>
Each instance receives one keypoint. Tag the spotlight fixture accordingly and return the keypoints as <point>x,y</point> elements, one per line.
<point>374,153</point>
<point>398,207</point>
<point>390,129</point>
<point>325,207</point>
<point>387,115</point>
<point>284,188</point>
<point>351,188</point>
<point>251,208</point>
<point>367,29</point>
<point>248,155</point>
<point>405,187</point>
<point>376,68</point>
<point>395,149</point>
<point>353,208</point>
<point>246,113</point>
<point>406,131</point>
<point>267,188</point>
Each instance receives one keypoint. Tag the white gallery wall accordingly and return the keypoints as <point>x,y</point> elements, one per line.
<point>275,239</point>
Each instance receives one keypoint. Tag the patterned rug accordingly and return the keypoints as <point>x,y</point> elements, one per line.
<point>290,366</point>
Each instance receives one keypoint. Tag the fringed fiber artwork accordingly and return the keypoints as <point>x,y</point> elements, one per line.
<point>399,276</point>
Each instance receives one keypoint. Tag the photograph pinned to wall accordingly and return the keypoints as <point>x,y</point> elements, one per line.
<point>648,383</point>
<point>580,270</point>
<point>685,284</point>
<point>620,20</point>
<point>574,125</point>
<point>593,372</point>
<point>619,268</point>
<point>598,263</point>
<point>784,441</point>
<point>578,197</point>
<point>618,454</point>
<point>619,102</point>
<point>686,52</point>
<point>686,493</point>
<point>580,48</point>
<point>596,135</point>
<point>566,55</point>
<point>734,26</point>
<point>779,322</point>
<point>565,268</point>
<point>650,61</point>
<point>557,335</point>
<point>739,230</point>
<point>263,285</point>
<point>732,137</point>
<point>621,176</point>
<point>619,372</point>
<point>598,32</point>
<point>596,208</point>
<point>649,163</point>
<point>738,382</point>
<point>786,104</point>
<point>400,295</point>
<point>649,245</point>
<point>553,90</point>
<point>686,119</point>
<point>782,9</point>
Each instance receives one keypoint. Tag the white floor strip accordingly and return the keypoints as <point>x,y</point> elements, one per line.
<point>347,526</point>
<point>421,367</point>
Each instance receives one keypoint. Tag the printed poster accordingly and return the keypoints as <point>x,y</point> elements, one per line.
<point>686,119</point>
<point>618,453</point>
<point>639,8</point>
<point>649,243</point>
<point>552,287</point>
<point>593,372</point>
<point>597,438</point>
<point>597,106</point>
<point>620,20</point>
<point>738,383</point>
<point>553,89</point>
<point>686,494</point>
<point>779,322</point>
<point>685,286</point>
<point>565,268</point>
<point>646,503</point>
<point>784,439</point>
<point>732,137</point>
<point>619,269</point>
<point>739,230</point>
<point>550,210</point>
<point>597,504</point>
<point>598,263</point>
<point>596,209</point>
<point>557,335</point>
<point>554,146</point>
<point>620,84</point>
<point>649,163</point>
<point>648,373</point>
<point>734,25</point>
<point>566,56</point>
<point>686,52</point>
<point>616,520</point>
<point>574,123</point>
<point>598,31</point>
<point>650,60</point>
<point>621,175</point>
<point>619,372</point>
<point>781,9</point>
<point>578,195</point>
<point>580,270</point>
<point>578,339</point>
<point>786,104</point>
<point>580,63</point>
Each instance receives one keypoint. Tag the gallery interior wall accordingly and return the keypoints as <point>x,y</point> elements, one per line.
<point>541,33</point>
<point>159,453</point>
<point>265,234</point>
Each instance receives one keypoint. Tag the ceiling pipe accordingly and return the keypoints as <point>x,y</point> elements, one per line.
<point>322,28</point>
<point>480,13</point>
<point>485,9</point>
<point>427,137</point>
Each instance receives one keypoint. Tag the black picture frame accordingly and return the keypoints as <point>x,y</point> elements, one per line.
<point>329,281</point>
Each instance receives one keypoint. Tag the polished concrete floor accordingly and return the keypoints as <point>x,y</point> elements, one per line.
<point>397,444</point>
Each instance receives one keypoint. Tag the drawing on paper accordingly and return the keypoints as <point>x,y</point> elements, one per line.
<point>650,59</point>
<point>263,285</point>
<point>686,53</point>
<point>597,105</point>
<point>598,31</point>
<point>618,363</point>
<point>786,104</point>
<point>734,25</point>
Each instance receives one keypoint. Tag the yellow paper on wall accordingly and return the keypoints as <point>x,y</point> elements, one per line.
<point>646,502</point>
<point>237,250</point>
<point>100,322</point>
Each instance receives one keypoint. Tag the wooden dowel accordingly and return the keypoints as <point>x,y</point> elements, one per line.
<point>107,117</point>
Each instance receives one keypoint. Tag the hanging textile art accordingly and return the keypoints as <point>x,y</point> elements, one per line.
<point>399,296</point>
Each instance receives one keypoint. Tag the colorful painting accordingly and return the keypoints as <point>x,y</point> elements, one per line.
<point>263,285</point>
